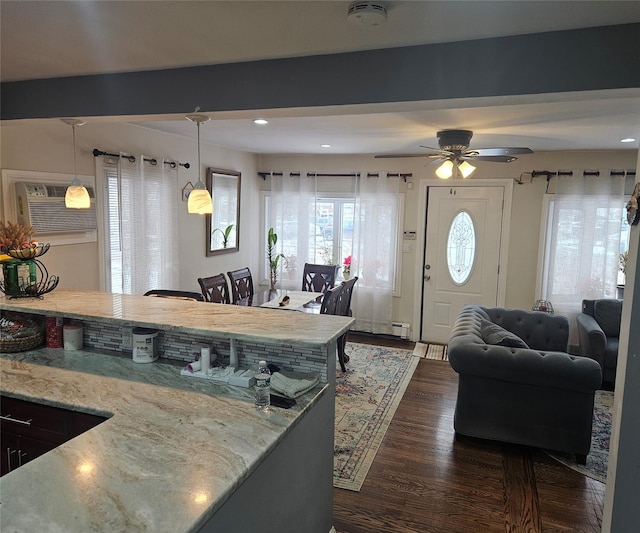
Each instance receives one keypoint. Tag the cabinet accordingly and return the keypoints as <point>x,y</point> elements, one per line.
<point>30,429</point>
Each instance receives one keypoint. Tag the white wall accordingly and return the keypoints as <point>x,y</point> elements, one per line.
<point>47,146</point>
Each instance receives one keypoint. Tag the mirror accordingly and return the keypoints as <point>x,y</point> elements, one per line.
<point>223,235</point>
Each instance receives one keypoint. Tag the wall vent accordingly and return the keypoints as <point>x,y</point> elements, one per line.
<point>401,329</point>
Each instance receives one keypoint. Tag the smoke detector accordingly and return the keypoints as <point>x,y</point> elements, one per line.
<point>367,13</point>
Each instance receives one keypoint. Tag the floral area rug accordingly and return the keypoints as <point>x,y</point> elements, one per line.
<point>596,467</point>
<point>367,396</point>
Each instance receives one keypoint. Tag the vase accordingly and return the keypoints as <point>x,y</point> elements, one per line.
<point>346,275</point>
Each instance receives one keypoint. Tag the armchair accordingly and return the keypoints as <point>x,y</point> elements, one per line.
<point>599,332</point>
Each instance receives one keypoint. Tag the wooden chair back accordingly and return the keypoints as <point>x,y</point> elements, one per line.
<point>241,284</point>
<point>215,289</point>
<point>330,301</point>
<point>319,278</point>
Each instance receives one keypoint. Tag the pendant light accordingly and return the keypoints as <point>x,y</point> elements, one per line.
<point>77,196</point>
<point>199,198</point>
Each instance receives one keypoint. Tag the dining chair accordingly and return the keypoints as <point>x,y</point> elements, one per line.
<point>215,289</point>
<point>337,301</point>
<point>241,284</point>
<point>319,278</point>
<point>344,309</point>
<point>180,295</point>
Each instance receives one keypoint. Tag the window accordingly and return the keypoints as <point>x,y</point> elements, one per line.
<point>329,238</point>
<point>461,248</point>
<point>140,239</point>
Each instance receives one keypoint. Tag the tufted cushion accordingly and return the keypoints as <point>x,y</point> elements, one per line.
<point>608,315</point>
<point>494,334</point>
<point>538,329</point>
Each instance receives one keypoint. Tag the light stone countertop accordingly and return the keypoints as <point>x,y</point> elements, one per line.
<point>171,453</point>
<point>220,320</point>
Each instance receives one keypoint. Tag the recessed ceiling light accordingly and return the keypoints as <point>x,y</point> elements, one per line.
<point>628,140</point>
<point>261,121</point>
<point>325,146</point>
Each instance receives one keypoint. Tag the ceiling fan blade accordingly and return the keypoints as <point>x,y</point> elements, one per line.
<point>502,151</point>
<point>392,156</point>
<point>493,158</point>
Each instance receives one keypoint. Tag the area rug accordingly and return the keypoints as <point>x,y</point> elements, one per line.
<point>431,351</point>
<point>367,396</point>
<point>596,467</point>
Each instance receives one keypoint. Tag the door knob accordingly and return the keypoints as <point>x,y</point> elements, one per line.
<point>427,277</point>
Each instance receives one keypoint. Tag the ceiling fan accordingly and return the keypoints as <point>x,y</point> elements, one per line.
<point>454,153</point>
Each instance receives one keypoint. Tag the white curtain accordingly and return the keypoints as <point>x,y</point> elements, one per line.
<point>373,259</point>
<point>293,217</point>
<point>141,225</point>
<point>583,243</point>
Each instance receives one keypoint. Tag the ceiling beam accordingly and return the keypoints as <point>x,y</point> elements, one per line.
<point>585,59</point>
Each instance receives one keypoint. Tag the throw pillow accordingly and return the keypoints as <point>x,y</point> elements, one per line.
<point>494,334</point>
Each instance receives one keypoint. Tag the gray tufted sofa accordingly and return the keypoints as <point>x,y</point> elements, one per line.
<point>537,396</point>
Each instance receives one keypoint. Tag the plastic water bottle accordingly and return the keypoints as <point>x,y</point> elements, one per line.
<point>263,386</point>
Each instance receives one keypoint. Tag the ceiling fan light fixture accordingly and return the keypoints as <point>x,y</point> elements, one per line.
<point>466,169</point>
<point>445,171</point>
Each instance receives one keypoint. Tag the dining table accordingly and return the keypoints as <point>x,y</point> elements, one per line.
<point>284,299</point>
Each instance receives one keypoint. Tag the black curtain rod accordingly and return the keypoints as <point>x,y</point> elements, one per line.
<point>132,159</point>
<point>550,174</point>
<point>264,175</point>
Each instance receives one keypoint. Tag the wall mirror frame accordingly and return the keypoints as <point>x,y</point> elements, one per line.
<point>223,226</point>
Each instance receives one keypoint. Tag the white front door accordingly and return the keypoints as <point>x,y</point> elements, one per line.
<point>462,255</point>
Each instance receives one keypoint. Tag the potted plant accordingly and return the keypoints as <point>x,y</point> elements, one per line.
<point>346,267</point>
<point>225,234</point>
<point>273,258</point>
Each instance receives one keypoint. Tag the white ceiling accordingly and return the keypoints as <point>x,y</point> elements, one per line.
<point>51,39</point>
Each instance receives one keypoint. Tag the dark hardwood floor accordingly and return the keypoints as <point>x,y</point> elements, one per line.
<point>423,480</point>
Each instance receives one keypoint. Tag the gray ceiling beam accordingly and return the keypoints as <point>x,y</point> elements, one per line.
<point>587,59</point>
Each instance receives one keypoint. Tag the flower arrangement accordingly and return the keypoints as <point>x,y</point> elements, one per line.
<point>622,261</point>
<point>16,237</point>
<point>346,265</point>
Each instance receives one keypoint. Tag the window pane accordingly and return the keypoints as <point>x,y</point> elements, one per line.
<point>461,247</point>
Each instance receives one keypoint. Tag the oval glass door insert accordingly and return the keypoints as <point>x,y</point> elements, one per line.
<point>461,247</point>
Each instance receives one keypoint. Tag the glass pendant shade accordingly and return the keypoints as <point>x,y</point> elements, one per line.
<point>466,169</point>
<point>445,171</point>
<point>77,196</point>
<point>200,200</point>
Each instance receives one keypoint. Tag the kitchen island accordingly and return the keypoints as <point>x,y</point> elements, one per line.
<point>175,454</point>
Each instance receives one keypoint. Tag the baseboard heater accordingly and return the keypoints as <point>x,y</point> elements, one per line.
<point>401,329</point>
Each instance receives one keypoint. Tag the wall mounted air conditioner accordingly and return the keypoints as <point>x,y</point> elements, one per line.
<point>42,207</point>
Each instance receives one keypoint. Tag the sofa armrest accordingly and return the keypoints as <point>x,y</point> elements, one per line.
<point>593,341</point>
<point>546,369</point>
